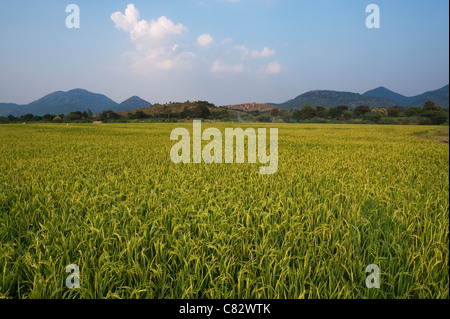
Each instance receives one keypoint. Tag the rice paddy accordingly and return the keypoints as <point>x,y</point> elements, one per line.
<point>108,199</point>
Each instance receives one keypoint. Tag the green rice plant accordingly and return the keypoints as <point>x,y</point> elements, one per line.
<point>108,199</point>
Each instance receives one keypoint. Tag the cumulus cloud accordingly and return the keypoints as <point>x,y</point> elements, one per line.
<point>265,53</point>
<point>272,68</point>
<point>158,47</point>
<point>226,41</point>
<point>220,67</point>
<point>146,30</point>
<point>152,40</point>
<point>205,40</point>
<point>243,49</point>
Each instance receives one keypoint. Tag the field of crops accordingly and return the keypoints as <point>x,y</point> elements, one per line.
<point>108,198</point>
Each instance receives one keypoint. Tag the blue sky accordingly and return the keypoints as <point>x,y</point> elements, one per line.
<point>223,51</point>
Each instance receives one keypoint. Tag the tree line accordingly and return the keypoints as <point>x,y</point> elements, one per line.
<point>429,114</point>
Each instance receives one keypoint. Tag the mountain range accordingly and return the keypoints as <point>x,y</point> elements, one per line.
<point>379,97</point>
<point>439,96</point>
<point>81,100</point>
<point>74,100</point>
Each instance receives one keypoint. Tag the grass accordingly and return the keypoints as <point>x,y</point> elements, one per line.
<point>108,199</point>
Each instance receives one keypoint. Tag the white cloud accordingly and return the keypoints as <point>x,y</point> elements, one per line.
<point>272,68</point>
<point>220,67</point>
<point>152,40</point>
<point>146,30</point>
<point>205,40</point>
<point>265,53</point>
<point>126,21</point>
<point>226,41</point>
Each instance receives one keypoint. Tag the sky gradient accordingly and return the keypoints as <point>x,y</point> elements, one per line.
<point>223,51</point>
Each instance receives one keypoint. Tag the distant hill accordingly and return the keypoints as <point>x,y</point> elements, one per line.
<point>132,103</point>
<point>74,100</point>
<point>440,97</point>
<point>384,93</point>
<point>10,108</point>
<point>330,99</point>
<point>81,100</point>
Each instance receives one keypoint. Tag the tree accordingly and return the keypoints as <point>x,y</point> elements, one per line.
<point>307,112</point>
<point>58,119</point>
<point>12,118</point>
<point>275,111</point>
<point>392,112</point>
<point>381,110</point>
<point>263,118</point>
<point>112,115</point>
<point>140,115</point>
<point>336,112</point>
<point>431,106</point>
<point>74,116</point>
<point>373,116</point>
<point>412,111</point>
<point>436,117</point>
<point>346,115</point>
<point>26,118</point>
<point>362,109</point>
<point>201,111</point>
<point>321,112</point>
<point>48,117</point>
<point>185,113</point>
<point>297,115</point>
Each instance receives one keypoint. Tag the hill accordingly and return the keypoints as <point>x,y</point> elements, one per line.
<point>330,99</point>
<point>439,96</point>
<point>384,93</point>
<point>10,108</point>
<point>132,103</point>
<point>74,100</point>
<point>70,101</point>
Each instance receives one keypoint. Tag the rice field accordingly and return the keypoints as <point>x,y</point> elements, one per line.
<point>108,199</point>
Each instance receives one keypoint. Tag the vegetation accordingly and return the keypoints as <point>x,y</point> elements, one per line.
<point>429,114</point>
<point>107,198</point>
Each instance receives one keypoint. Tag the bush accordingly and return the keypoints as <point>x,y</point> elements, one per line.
<point>435,117</point>
<point>373,117</point>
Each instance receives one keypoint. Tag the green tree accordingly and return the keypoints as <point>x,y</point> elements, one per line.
<point>362,109</point>
<point>374,117</point>
<point>431,106</point>
<point>26,118</point>
<point>275,111</point>
<point>201,111</point>
<point>297,115</point>
<point>412,111</point>
<point>140,115</point>
<point>307,112</point>
<point>48,117</point>
<point>321,112</point>
<point>336,112</point>
<point>393,112</point>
